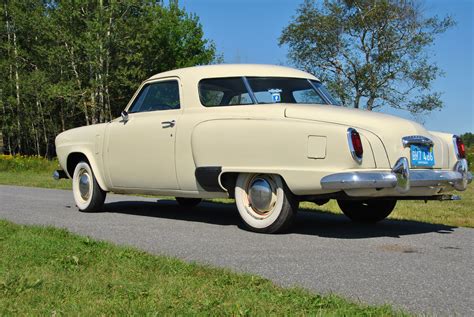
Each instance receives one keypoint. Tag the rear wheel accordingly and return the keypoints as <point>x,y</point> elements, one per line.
<point>188,202</point>
<point>87,193</point>
<point>265,203</point>
<point>368,211</point>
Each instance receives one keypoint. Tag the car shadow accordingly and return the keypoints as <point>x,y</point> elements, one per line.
<point>308,222</point>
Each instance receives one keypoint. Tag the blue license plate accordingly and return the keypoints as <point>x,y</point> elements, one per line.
<point>421,155</point>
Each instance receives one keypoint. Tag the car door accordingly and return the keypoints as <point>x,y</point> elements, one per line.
<point>140,146</point>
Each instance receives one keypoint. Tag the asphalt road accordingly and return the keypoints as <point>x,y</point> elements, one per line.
<point>423,268</point>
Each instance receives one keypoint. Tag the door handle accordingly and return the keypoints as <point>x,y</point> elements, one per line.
<point>168,124</point>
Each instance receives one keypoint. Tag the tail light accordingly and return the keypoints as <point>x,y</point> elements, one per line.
<point>355,144</point>
<point>459,147</point>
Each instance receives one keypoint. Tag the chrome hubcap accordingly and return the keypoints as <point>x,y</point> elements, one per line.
<point>84,185</point>
<point>260,195</point>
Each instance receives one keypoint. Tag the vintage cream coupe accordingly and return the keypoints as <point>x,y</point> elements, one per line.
<point>267,136</point>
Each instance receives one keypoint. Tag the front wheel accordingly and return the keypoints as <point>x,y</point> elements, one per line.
<point>368,211</point>
<point>87,193</point>
<point>264,202</point>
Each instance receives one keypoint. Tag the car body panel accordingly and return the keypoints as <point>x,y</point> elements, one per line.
<point>302,143</point>
<point>87,141</point>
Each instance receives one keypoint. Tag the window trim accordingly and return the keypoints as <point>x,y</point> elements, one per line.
<point>155,81</point>
<point>321,93</point>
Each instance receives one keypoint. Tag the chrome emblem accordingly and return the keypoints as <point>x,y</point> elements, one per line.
<point>416,139</point>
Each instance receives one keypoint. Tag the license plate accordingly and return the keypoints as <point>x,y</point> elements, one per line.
<point>421,155</point>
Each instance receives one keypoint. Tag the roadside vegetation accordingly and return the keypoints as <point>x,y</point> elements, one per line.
<point>65,64</point>
<point>47,271</point>
<point>32,171</point>
<point>36,171</point>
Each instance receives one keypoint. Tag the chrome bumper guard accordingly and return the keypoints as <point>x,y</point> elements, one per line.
<point>401,178</point>
<point>59,174</point>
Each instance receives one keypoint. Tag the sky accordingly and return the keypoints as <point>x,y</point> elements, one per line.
<point>247,31</point>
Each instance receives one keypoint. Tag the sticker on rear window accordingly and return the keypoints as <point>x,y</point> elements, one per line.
<point>275,95</point>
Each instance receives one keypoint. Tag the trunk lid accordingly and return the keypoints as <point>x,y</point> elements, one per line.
<point>389,129</point>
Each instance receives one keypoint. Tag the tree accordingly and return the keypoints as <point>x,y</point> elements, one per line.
<point>371,52</point>
<point>468,139</point>
<point>65,64</point>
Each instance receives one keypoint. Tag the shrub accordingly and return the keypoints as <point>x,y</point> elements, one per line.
<point>19,163</point>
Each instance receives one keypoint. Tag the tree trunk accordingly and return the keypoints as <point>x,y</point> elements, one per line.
<point>37,145</point>
<point>4,118</point>
<point>93,106</point>
<point>78,80</point>
<point>43,123</point>
<point>10,73</point>
<point>357,100</point>
<point>370,103</point>
<point>17,90</point>
<point>63,123</point>
<point>107,65</point>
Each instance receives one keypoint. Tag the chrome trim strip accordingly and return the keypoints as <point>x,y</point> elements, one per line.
<point>416,139</point>
<point>249,90</point>
<point>319,92</point>
<point>351,146</point>
<point>458,178</point>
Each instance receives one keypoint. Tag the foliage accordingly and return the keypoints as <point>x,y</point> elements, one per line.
<point>372,51</point>
<point>46,271</point>
<point>21,163</point>
<point>470,158</point>
<point>468,139</point>
<point>70,63</point>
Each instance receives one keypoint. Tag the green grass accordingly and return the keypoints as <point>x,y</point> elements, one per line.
<point>30,171</point>
<point>33,179</point>
<point>47,271</point>
<point>36,172</point>
<point>451,213</point>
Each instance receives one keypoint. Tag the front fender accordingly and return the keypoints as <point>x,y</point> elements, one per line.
<point>87,141</point>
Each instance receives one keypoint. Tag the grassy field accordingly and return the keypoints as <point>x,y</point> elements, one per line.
<point>30,171</point>
<point>33,171</point>
<point>47,271</point>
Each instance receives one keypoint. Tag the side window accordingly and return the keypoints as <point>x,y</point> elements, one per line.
<point>215,92</point>
<point>163,95</point>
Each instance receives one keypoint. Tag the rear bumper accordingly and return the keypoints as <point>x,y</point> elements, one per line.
<point>400,177</point>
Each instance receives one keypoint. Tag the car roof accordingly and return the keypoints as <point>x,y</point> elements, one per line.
<point>234,70</point>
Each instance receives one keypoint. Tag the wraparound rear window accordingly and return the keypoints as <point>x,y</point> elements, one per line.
<point>228,91</point>
<point>223,92</point>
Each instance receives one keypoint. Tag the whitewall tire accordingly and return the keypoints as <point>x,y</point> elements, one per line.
<point>265,203</point>
<point>87,193</point>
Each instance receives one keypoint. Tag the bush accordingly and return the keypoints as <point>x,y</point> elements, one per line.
<point>470,158</point>
<point>19,163</point>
